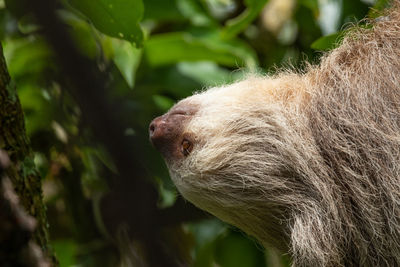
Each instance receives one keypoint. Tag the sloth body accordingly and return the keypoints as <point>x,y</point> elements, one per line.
<point>305,162</point>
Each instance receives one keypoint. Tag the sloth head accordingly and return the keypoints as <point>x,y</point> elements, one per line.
<point>229,151</point>
<point>307,162</point>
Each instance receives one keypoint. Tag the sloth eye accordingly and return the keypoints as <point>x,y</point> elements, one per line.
<point>186,146</point>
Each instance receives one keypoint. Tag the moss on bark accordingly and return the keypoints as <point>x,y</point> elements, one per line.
<point>22,172</point>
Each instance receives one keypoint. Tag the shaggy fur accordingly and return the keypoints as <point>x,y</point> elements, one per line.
<point>308,163</point>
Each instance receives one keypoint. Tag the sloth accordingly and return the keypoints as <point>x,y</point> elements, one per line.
<point>307,162</point>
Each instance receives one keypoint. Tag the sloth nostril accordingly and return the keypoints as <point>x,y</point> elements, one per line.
<point>152,128</point>
<point>159,131</point>
<point>156,129</point>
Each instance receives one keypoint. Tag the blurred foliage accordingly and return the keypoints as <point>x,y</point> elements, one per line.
<point>153,54</point>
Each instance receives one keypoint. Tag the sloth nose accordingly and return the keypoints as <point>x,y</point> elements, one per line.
<point>152,128</point>
<point>164,132</point>
<point>157,129</point>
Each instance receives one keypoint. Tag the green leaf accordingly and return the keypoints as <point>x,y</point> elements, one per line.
<point>353,11</point>
<point>24,52</point>
<point>206,235</point>
<point>192,10</point>
<point>116,18</point>
<point>235,250</point>
<point>327,42</point>
<point>161,10</point>
<point>236,25</point>
<point>242,51</point>
<point>83,33</point>
<point>38,110</point>
<point>27,25</point>
<point>376,11</point>
<point>127,59</point>
<point>162,102</point>
<point>171,48</point>
<point>208,73</point>
<point>312,5</point>
<point>66,252</point>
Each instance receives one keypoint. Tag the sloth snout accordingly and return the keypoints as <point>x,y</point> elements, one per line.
<point>152,128</point>
<point>158,131</point>
<point>167,134</point>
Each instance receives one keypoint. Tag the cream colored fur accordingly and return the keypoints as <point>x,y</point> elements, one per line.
<point>308,163</point>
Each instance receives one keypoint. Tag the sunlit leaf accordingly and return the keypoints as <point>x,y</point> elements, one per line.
<point>117,18</point>
<point>162,102</point>
<point>207,73</point>
<point>327,42</point>
<point>127,59</point>
<point>376,11</point>
<point>238,24</point>
<point>21,53</point>
<point>38,112</point>
<point>192,10</point>
<point>65,251</point>
<point>175,47</point>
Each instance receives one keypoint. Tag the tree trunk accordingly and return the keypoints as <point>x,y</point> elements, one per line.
<point>22,171</point>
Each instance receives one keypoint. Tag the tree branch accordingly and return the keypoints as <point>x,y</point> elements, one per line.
<point>17,247</point>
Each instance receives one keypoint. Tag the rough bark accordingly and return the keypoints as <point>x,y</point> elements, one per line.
<point>16,227</point>
<point>22,171</point>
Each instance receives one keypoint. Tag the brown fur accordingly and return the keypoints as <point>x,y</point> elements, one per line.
<point>308,163</point>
